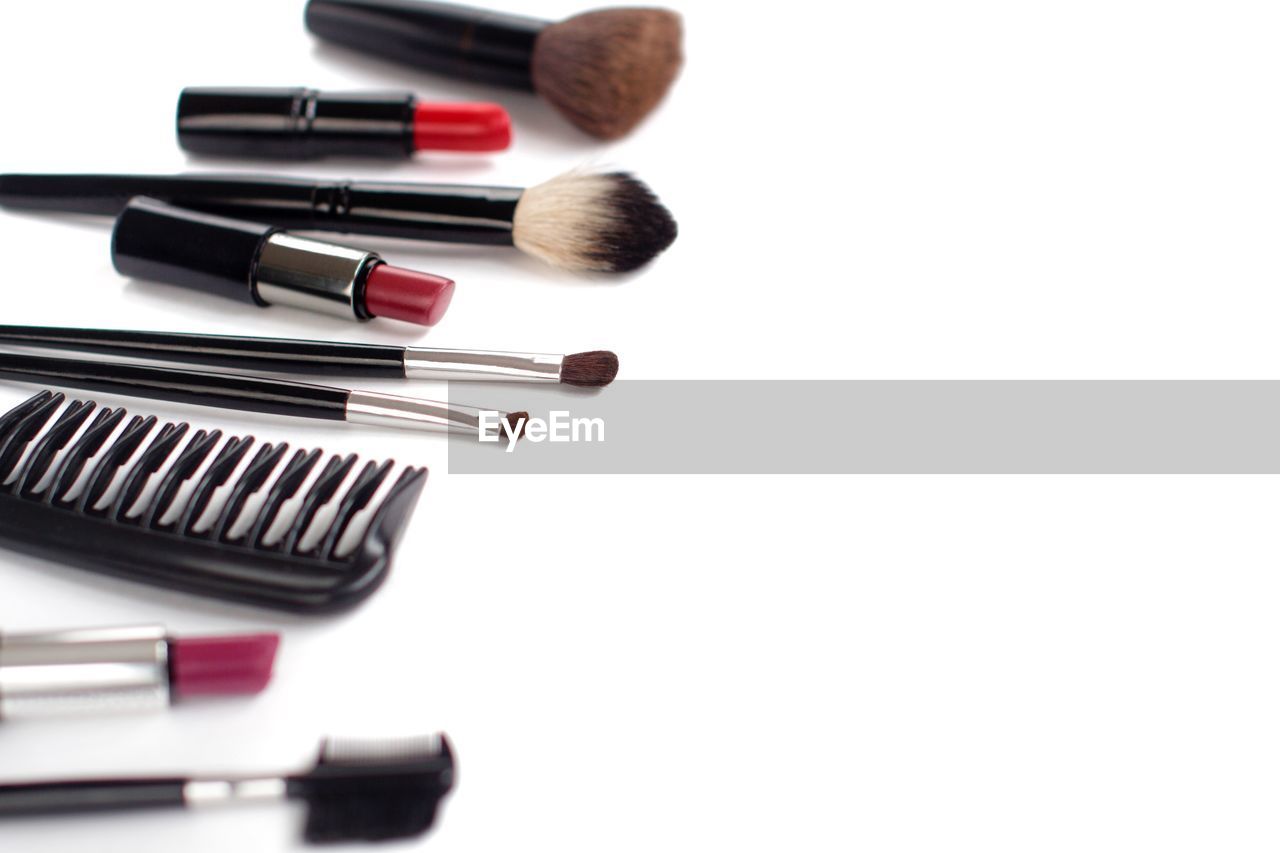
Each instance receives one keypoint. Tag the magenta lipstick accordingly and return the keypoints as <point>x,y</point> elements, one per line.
<point>140,668</point>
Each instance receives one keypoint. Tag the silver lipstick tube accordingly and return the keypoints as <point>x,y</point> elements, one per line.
<point>84,671</point>
<point>472,365</point>
<point>312,275</point>
<point>389,410</point>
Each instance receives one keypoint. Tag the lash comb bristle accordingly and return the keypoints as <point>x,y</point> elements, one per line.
<point>50,457</point>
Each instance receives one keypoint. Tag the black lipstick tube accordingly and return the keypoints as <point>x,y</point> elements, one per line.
<point>295,123</point>
<point>459,41</point>
<point>441,213</point>
<point>265,265</point>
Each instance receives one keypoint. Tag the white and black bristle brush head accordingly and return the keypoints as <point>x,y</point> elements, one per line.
<point>593,222</point>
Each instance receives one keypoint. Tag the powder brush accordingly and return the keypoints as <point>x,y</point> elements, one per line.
<point>603,70</point>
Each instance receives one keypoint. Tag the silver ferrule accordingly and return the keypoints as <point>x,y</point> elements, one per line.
<point>86,671</point>
<point>311,274</point>
<point>389,410</point>
<point>227,792</point>
<point>477,365</point>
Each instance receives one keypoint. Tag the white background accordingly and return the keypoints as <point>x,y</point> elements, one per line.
<point>872,190</point>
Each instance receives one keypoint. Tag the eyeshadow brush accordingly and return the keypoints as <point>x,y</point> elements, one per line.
<point>288,356</point>
<point>256,394</point>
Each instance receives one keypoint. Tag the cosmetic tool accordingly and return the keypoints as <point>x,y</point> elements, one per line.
<point>90,488</point>
<point>263,265</point>
<point>302,123</point>
<point>136,668</point>
<point>603,70</point>
<point>585,221</point>
<point>257,394</point>
<point>357,791</point>
<point>284,355</point>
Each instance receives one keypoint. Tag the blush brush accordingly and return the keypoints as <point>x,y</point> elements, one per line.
<point>357,791</point>
<point>288,356</point>
<point>582,221</point>
<point>603,70</point>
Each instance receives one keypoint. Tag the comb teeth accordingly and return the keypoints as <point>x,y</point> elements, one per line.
<point>55,451</point>
<point>354,752</point>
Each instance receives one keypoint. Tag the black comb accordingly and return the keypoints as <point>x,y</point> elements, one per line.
<point>162,543</point>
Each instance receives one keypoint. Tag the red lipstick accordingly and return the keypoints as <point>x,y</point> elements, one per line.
<point>461,127</point>
<point>301,124</point>
<point>126,669</point>
<point>265,265</point>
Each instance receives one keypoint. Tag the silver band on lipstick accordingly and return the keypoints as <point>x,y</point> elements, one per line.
<point>93,670</point>
<point>480,365</point>
<point>390,410</point>
<point>310,274</point>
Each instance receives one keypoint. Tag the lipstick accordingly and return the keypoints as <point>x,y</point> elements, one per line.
<point>138,668</point>
<point>264,265</point>
<point>302,123</point>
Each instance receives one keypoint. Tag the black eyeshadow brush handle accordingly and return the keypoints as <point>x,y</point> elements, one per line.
<point>445,213</point>
<point>99,795</point>
<point>200,388</point>
<point>279,355</point>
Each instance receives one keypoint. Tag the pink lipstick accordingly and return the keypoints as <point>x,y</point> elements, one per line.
<point>138,668</point>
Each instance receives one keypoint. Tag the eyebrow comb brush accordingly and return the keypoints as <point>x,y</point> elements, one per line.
<point>357,791</point>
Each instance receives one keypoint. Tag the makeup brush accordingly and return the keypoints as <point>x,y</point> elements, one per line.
<point>583,221</point>
<point>603,70</point>
<point>261,394</point>
<point>285,355</point>
<point>357,791</point>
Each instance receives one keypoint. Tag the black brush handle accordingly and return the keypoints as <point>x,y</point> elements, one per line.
<point>98,795</point>
<point>281,355</point>
<point>199,388</point>
<point>459,41</point>
<point>445,213</point>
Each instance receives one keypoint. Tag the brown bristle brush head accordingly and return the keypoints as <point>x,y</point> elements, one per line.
<point>589,369</point>
<point>515,425</point>
<point>606,70</point>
